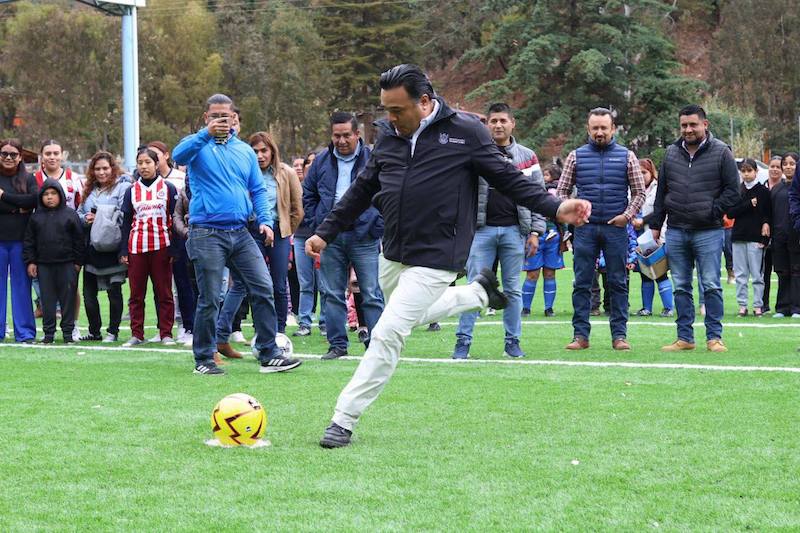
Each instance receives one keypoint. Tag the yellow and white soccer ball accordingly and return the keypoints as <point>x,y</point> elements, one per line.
<point>238,419</point>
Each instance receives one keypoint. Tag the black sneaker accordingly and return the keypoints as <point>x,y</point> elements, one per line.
<point>335,436</point>
<point>68,339</point>
<point>434,326</point>
<point>549,312</point>
<point>47,340</point>
<point>92,338</point>
<point>278,364</point>
<point>487,279</point>
<point>335,353</point>
<point>209,368</point>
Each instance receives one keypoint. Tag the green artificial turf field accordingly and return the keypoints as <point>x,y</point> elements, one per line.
<point>97,438</point>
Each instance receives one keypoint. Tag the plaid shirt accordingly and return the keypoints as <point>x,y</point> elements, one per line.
<point>635,181</point>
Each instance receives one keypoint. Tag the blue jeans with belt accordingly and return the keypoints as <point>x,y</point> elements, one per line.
<point>210,250</point>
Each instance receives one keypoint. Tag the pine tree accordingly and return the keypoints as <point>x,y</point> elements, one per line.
<point>566,57</point>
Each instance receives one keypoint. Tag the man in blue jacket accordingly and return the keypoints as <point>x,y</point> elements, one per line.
<point>226,187</point>
<point>328,179</point>
<point>422,176</point>
<point>603,172</point>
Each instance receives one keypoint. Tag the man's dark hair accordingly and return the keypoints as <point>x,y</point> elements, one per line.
<point>693,109</point>
<point>219,99</point>
<point>601,112</point>
<point>500,107</point>
<point>342,117</point>
<point>410,77</point>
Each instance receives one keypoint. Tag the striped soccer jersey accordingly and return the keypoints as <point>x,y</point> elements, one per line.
<point>151,220</point>
<point>70,184</point>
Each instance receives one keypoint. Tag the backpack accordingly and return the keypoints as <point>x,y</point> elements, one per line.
<point>106,232</point>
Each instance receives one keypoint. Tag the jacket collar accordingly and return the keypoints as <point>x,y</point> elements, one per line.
<point>594,146</point>
<point>445,111</point>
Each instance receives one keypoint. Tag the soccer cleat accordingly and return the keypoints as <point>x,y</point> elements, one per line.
<point>334,352</point>
<point>167,341</point>
<point>549,312</point>
<point>209,369</point>
<point>620,344</point>
<point>512,349</point>
<point>716,345</point>
<point>434,326</point>
<point>227,350</point>
<point>302,331</point>
<point>278,364</point>
<point>678,346</point>
<point>461,350</point>
<point>90,338</point>
<point>237,336</point>
<point>335,436</point>
<point>134,341</point>
<point>488,280</point>
<point>578,343</point>
<point>110,337</point>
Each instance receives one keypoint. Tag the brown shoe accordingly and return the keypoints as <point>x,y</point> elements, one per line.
<point>578,343</point>
<point>620,344</point>
<point>38,312</point>
<point>678,346</point>
<point>716,345</point>
<point>217,360</point>
<point>228,351</point>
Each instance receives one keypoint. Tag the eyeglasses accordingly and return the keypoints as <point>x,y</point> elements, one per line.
<point>9,155</point>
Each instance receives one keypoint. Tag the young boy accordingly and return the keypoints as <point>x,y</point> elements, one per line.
<point>53,250</point>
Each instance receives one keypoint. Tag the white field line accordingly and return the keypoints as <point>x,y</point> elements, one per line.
<point>658,323</point>
<point>423,360</point>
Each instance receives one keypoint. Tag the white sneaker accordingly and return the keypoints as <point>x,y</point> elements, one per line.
<point>490,312</point>
<point>110,337</point>
<point>237,336</point>
<point>76,334</point>
<point>168,341</point>
<point>133,341</point>
<point>291,320</point>
<point>155,339</point>
<point>181,333</point>
<point>187,339</point>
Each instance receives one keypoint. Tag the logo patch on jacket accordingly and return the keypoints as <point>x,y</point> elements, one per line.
<point>444,138</point>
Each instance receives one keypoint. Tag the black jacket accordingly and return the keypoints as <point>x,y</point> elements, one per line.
<point>695,192</point>
<point>750,218</point>
<point>782,228</point>
<point>16,207</point>
<point>429,201</point>
<point>54,235</point>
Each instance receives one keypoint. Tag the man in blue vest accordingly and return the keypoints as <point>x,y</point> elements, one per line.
<point>603,172</point>
<point>329,178</point>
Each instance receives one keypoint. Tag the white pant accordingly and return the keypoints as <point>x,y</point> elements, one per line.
<point>414,296</point>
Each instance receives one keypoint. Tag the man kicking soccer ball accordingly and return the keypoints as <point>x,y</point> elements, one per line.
<point>423,178</point>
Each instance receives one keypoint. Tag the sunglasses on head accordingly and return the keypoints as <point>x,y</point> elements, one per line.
<point>9,155</point>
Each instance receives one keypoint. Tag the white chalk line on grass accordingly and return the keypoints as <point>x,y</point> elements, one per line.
<point>424,360</point>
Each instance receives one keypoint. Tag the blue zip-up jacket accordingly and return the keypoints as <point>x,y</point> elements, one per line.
<point>227,185</point>
<point>601,176</point>
<point>319,193</point>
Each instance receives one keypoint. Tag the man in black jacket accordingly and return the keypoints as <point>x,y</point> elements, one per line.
<point>423,178</point>
<point>698,183</point>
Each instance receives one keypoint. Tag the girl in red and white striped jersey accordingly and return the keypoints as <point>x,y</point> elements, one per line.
<point>147,247</point>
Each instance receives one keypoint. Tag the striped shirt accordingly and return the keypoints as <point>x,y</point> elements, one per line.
<point>151,218</point>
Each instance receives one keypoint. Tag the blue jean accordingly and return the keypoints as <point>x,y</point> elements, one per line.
<point>187,299</point>
<point>309,279</point>
<point>589,240</point>
<point>278,257</point>
<point>684,247</point>
<point>335,263</point>
<point>12,265</point>
<point>506,244</point>
<point>230,305</point>
<point>210,250</point>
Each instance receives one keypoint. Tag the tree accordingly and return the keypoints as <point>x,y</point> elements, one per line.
<point>755,64</point>
<point>64,73</point>
<point>362,39</point>
<point>566,57</point>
